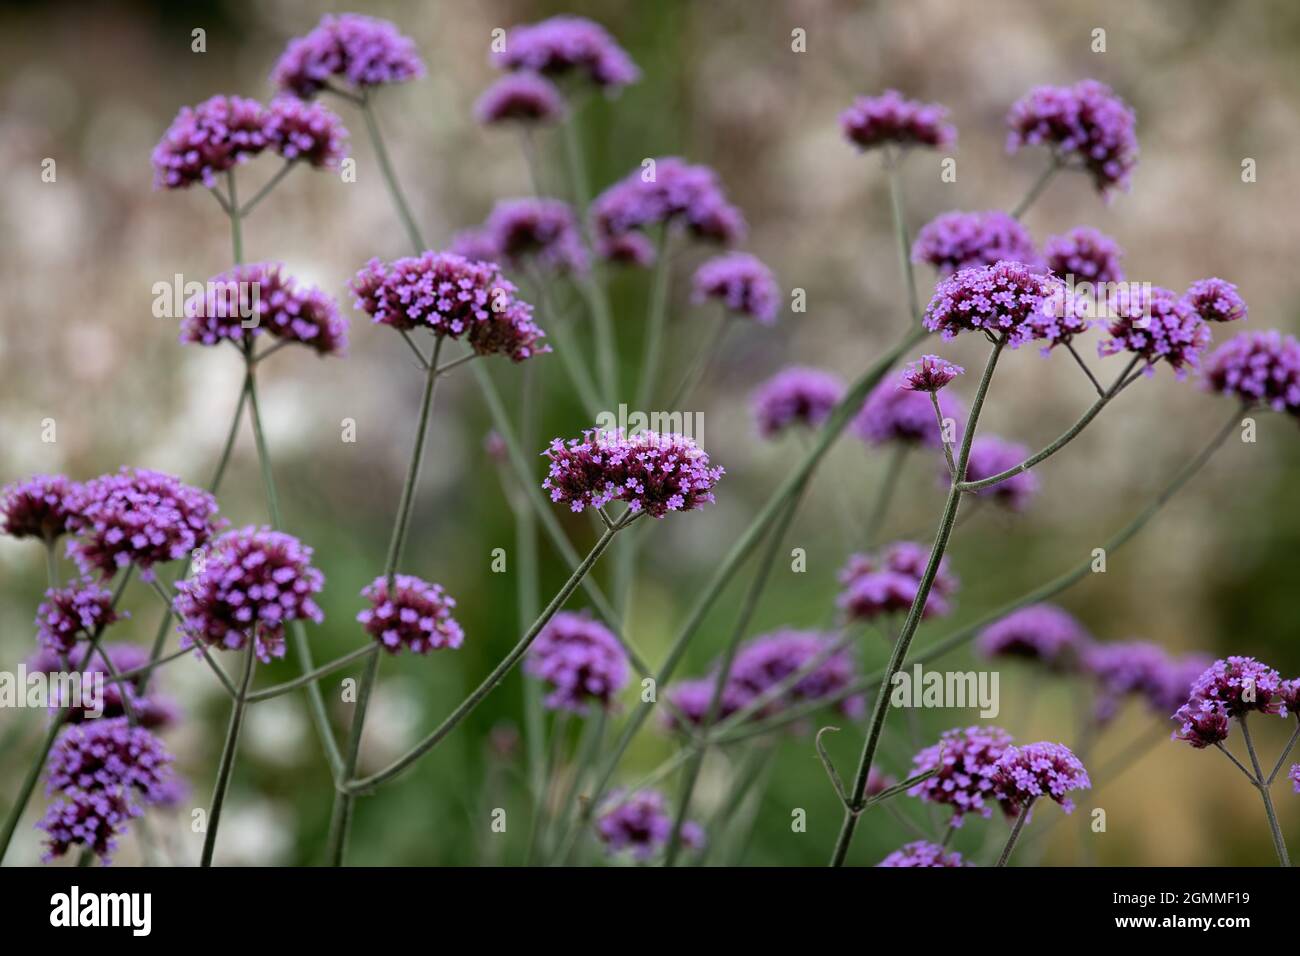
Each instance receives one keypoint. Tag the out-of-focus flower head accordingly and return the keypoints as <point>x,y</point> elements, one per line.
<point>1216,300</point>
<point>1038,770</point>
<point>37,507</point>
<point>1006,298</point>
<point>1040,632</point>
<point>415,617</point>
<point>691,699</point>
<point>209,139</point>
<point>1087,254</point>
<point>1133,668</point>
<point>1258,368</point>
<point>929,374</point>
<point>966,760</point>
<point>769,659</point>
<point>892,413</point>
<point>1294,775</point>
<point>1086,126</point>
<point>581,660</point>
<point>151,708</point>
<point>523,98</point>
<point>887,583</point>
<point>1155,324</point>
<point>923,853</point>
<point>653,473</point>
<point>1241,685</point>
<point>566,46</point>
<point>796,396</point>
<point>962,240</point>
<point>253,582</point>
<point>641,825</point>
<point>891,119</point>
<point>306,132</point>
<point>92,820</point>
<point>359,50</point>
<point>1201,723</point>
<point>80,609</point>
<point>105,755</point>
<point>991,455</point>
<point>543,232</point>
<point>741,282</point>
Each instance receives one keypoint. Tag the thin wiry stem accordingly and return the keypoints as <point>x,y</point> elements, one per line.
<point>1015,833</point>
<point>266,190</point>
<point>337,664</point>
<point>227,765</point>
<point>390,176</point>
<point>1279,842</point>
<point>893,163</point>
<point>656,321</point>
<point>1084,365</point>
<point>703,359</point>
<point>1286,752</point>
<point>1036,189</point>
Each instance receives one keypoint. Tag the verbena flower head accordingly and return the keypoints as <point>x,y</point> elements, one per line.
<point>267,299</point>
<point>80,609</point>
<point>875,121</point>
<point>141,517</point>
<point>966,760</point>
<point>91,820</point>
<point>887,582</point>
<point>152,709</point>
<point>1134,668</point>
<point>923,853</point>
<point>1038,770</point>
<point>769,659</point>
<point>37,507</point>
<point>691,698</point>
<point>1258,368</point>
<point>415,617</point>
<point>641,825</point>
<point>523,98</point>
<point>1006,299</point>
<point>569,46</point>
<point>670,193</point>
<point>929,373</point>
<point>1294,776</point>
<point>961,240</point>
<point>306,132</point>
<point>652,473</point>
<point>1087,254</point>
<point>989,456</point>
<point>544,232</point>
<point>1201,723</point>
<point>1155,325</point>
<point>1289,693</point>
<point>209,139</point>
<point>741,282</point>
<point>1241,685</point>
<point>1216,300</point>
<point>892,413</point>
<point>1041,632</point>
<point>796,396</point>
<point>1085,125</point>
<point>108,755</point>
<point>878,783</point>
<point>361,51</point>
<point>581,660</point>
<point>451,296</point>
<point>253,582</point>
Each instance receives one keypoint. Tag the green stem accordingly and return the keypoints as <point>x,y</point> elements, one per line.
<point>337,664</point>
<point>266,190</point>
<point>656,320</point>
<point>888,486</point>
<point>1036,189</point>
<point>893,164</point>
<point>1279,843</point>
<point>51,564</point>
<point>1286,752</point>
<point>703,359</point>
<point>236,221</point>
<point>227,765</point>
<point>1015,833</point>
<point>390,177</point>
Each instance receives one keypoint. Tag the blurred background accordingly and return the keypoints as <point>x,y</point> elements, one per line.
<point>96,86</point>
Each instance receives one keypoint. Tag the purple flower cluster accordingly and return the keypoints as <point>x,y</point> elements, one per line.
<point>989,456</point>
<point>1294,775</point>
<point>416,617</point>
<point>961,240</point>
<point>692,698</point>
<point>518,231</point>
<point>652,473</point>
<point>1039,632</point>
<point>269,300</point>
<point>741,282</point>
<point>795,396</point>
<point>581,660</point>
<point>966,761</point>
<point>151,708</point>
<point>81,609</point>
<point>362,51</point>
<point>929,374</point>
<point>766,661</point>
<point>922,853</point>
<point>38,507</point>
<point>253,582</point>
<point>1258,368</point>
<point>1216,300</point>
<point>1142,669</point>
<point>524,98</point>
<point>640,824</point>
<point>1087,254</point>
<point>567,46</point>
<point>1231,687</point>
<point>665,192</point>
<point>140,517</point>
<point>1084,124</point>
<point>91,820</point>
<point>1155,324</point>
<point>1006,298</point>
<point>893,413</point>
<point>875,121</point>
<point>1038,770</point>
<point>887,583</point>
<point>305,132</point>
<point>451,296</point>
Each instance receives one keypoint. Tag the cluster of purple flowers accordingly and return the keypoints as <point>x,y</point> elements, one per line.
<point>1231,687</point>
<point>261,297</point>
<point>965,761</point>
<point>652,473</point>
<point>795,396</point>
<point>1155,324</point>
<point>1003,299</point>
<point>1141,669</point>
<point>527,231</point>
<point>923,853</point>
<point>1085,125</point>
<point>415,617</point>
<point>581,660</point>
<point>1045,769</point>
<point>1043,633</point>
<point>887,583</point>
<point>223,132</point>
<point>1087,254</point>
<point>991,455</point>
<point>1258,368</point>
<point>641,825</point>
<point>138,517</point>
<point>81,609</point>
<point>666,192</point>
<point>1216,300</point>
<point>37,507</point>
<point>891,119</point>
<point>960,240</point>
<point>523,98</point>
<point>362,51</point>
<point>152,708</point>
<point>741,282</point>
<point>929,373</point>
<point>451,296</point>
<point>253,582</point>
<point>568,46</point>
<point>894,413</point>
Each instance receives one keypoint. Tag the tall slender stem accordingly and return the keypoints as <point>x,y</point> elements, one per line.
<point>885,493</point>
<point>704,357</point>
<point>1279,843</point>
<point>1036,189</point>
<point>893,164</point>
<point>266,190</point>
<point>51,564</point>
<point>656,320</point>
<point>1015,833</point>
<point>390,176</point>
<point>227,765</point>
<point>236,221</point>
